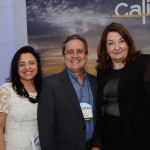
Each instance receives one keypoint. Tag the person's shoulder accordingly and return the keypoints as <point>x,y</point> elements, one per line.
<point>103,72</point>
<point>91,75</point>
<point>141,62</point>
<point>6,85</point>
<point>54,76</point>
<point>143,57</point>
<point>92,78</point>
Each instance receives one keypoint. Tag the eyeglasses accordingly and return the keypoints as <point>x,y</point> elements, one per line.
<point>72,52</point>
<point>32,100</point>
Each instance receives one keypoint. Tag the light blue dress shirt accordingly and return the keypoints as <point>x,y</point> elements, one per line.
<point>84,94</point>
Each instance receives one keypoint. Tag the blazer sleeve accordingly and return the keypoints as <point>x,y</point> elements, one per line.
<point>98,127</point>
<point>46,117</point>
<point>147,83</point>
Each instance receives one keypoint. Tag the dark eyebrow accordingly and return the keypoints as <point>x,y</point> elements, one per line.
<point>21,62</point>
<point>109,40</point>
<point>32,61</point>
<point>121,38</point>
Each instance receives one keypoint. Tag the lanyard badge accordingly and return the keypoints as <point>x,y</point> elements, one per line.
<point>87,111</point>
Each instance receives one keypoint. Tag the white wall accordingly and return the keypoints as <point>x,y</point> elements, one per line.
<point>20,23</point>
<point>13,32</point>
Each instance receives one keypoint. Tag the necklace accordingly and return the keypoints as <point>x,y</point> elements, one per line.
<point>32,100</point>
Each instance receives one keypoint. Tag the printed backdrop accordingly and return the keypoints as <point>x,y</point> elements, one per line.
<point>49,22</point>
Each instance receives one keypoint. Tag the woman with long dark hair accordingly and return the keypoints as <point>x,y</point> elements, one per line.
<point>18,101</point>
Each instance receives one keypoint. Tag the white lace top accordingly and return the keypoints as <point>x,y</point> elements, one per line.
<point>21,121</point>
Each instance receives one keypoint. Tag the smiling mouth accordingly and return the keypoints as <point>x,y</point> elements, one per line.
<point>28,73</point>
<point>118,52</point>
<point>75,61</point>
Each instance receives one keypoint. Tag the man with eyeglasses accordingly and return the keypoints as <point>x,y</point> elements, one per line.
<point>66,111</point>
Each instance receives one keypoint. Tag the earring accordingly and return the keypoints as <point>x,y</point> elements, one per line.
<point>106,55</point>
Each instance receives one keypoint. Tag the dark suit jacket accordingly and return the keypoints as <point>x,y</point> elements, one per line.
<point>60,120</point>
<point>133,102</point>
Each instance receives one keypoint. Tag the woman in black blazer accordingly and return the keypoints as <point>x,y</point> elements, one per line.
<point>123,75</point>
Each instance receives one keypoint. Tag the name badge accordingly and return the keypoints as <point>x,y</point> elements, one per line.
<point>35,143</point>
<point>87,111</point>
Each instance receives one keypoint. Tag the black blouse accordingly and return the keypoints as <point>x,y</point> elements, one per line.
<point>110,93</point>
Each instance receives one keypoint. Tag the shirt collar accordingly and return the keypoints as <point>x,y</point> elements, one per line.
<point>73,76</point>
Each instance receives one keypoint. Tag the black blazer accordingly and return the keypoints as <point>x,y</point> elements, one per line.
<point>60,119</point>
<point>133,102</point>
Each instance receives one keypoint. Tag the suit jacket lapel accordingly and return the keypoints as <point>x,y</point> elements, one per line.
<point>123,79</point>
<point>93,86</point>
<point>70,92</point>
